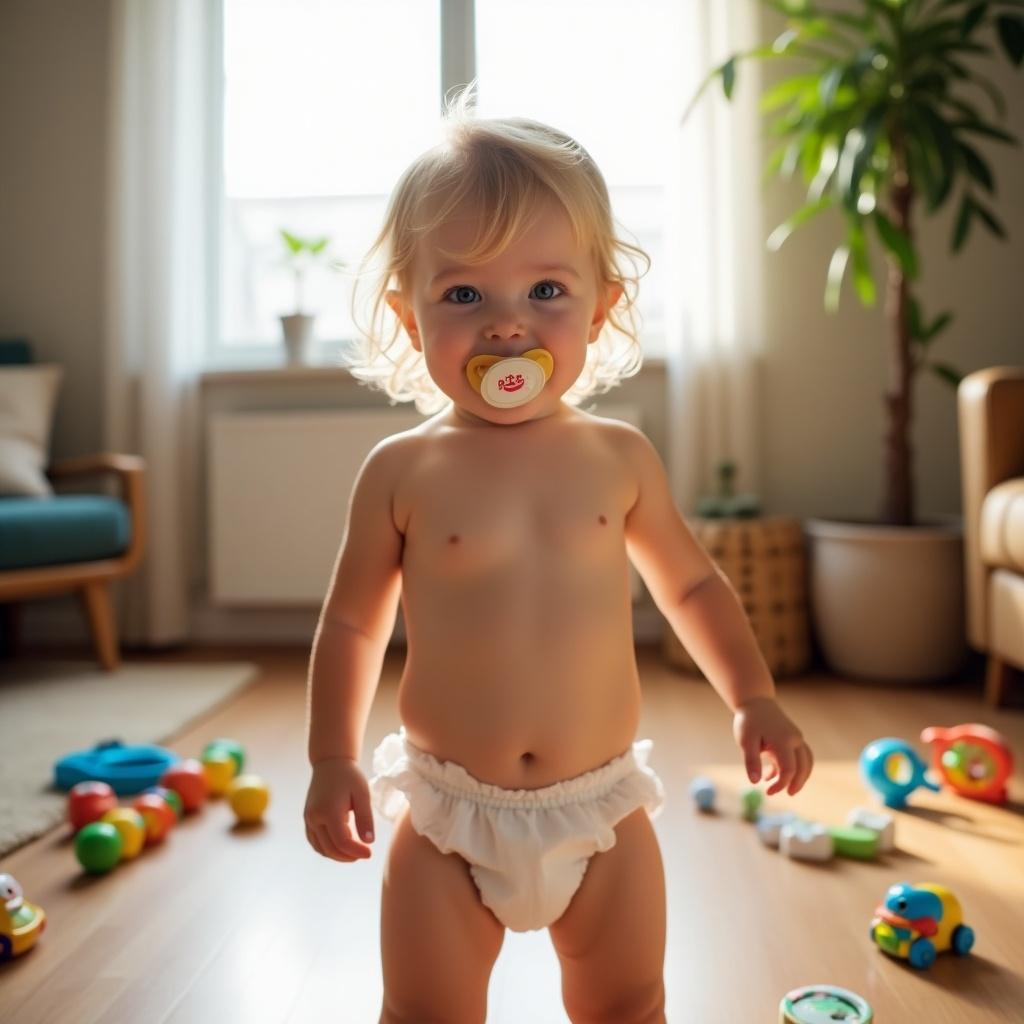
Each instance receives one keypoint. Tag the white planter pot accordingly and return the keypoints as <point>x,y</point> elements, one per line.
<point>298,338</point>
<point>887,602</point>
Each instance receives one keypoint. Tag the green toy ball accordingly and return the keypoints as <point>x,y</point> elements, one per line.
<point>228,746</point>
<point>98,847</point>
<point>751,799</point>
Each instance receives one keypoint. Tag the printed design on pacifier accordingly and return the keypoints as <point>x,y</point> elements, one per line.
<point>508,382</point>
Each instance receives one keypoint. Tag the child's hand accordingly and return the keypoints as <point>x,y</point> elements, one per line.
<point>337,787</point>
<point>761,725</point>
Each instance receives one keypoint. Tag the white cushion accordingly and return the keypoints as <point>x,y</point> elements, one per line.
<point>28,397</point>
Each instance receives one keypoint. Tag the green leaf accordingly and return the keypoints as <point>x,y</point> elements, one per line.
<point>1011,36</point>
<point>293,242</point>
<point>976,166</point>
<point>897,242</point>
<point>804,214</point>
<point>984,129</point>
<point>963,222</point>
<point>940,323</point>
<point>989,218</point>
<point>836,270</point>
<point>728,70</point>
<point>863,280</point>
<point>971,18</point>
<point>786,90</point>
<point>946,373</point>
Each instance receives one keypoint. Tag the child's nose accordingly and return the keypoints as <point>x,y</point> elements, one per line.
<point>504,329</point>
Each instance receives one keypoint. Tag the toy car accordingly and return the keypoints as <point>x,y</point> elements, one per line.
<point>916,922</point>
<point>21,922</point>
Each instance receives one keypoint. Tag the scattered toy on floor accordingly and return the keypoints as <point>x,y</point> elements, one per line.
<point>21,922</point>
<point>702,790</point>
<point>126,769</point>
<point>916,922</point>
<point>882,824</point>
<point>248,796</point>
<point>892,768</point>
<point>88,802</point>
<point>973,759</point>
<point>98,847</point>
<point>821,1004</point>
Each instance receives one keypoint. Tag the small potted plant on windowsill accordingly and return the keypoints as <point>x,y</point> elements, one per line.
<point>300,255</point>
<point>878,118</point>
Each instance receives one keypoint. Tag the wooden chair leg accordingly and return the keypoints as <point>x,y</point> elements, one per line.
<point>99,611</point>
<point>997,681</point>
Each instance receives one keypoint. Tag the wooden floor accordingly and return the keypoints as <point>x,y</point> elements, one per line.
<point>251,927</point>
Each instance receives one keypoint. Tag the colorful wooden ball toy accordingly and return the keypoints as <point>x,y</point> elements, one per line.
<point>248,796</point>
<point>157,814</point>
<point>88,802</point>
<point>132,827</point>
<point>188,780</point>
<point>219,768</point>
<point>233,747</point>
<point>98,847</point>
<point>172,798</point>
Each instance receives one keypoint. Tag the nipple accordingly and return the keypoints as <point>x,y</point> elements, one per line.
<point>507,383</point>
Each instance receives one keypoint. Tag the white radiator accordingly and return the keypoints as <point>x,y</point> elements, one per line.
<point>279,485</point>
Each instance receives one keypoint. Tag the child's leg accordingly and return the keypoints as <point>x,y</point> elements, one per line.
<point>611,940</point>
<point>438,941</point>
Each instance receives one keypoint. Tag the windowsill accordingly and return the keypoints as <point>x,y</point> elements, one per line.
<point>319,372</point>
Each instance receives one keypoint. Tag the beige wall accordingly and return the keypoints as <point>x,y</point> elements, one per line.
<point>822,376</point>
<point>53,135</point>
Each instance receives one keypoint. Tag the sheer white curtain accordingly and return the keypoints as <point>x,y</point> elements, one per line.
<point>162,143</point>
<point>715,245</point>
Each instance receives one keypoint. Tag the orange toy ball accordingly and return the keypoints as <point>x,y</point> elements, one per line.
<point>188,780</point>
<point>157,814</point>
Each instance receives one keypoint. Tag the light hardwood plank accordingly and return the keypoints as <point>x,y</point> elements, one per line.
<point>251,926</point>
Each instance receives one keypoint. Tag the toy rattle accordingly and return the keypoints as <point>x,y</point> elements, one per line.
<point>974,760</point>
<point>21,922</point>
<point>891,767</point>
<point>916,922</point>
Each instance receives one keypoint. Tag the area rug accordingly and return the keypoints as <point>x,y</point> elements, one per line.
<point>49,709</point>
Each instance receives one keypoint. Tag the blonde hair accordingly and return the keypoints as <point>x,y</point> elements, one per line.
<point>505,166</point>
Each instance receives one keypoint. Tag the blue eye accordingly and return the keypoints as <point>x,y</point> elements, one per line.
<point>549,284</point>
<point>460,290</point>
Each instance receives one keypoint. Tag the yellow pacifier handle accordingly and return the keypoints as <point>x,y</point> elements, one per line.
<point>479,365</point>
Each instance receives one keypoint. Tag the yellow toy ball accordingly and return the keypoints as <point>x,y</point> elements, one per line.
<point>248,796</point>
<point>132,827</point>
<point>219,769</point>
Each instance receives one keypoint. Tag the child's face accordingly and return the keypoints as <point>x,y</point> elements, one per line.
<point>541,292</point>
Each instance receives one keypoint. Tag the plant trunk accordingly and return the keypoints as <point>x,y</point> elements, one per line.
<point>898,499</point>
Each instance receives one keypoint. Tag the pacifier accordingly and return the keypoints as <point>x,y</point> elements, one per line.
<point>508,382</point>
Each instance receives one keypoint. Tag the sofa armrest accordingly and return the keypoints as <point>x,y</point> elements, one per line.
<point>130,471</point>
<point>990,406</point>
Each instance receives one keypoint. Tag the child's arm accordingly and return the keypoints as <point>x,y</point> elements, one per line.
<point>348,649</point>
<point>707,616</point>
<point>358,613</point>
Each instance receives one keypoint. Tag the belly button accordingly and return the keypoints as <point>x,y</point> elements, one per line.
<point>602,520</point>
<point>527,757</point>
<point>453,539</point>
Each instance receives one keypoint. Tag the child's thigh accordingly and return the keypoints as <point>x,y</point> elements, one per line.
<point>611,940</point>
<point>438,941</point>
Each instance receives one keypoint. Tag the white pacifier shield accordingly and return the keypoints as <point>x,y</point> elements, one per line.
<point>512,382</point>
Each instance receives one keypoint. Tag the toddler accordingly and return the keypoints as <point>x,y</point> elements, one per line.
<point>506,522</point>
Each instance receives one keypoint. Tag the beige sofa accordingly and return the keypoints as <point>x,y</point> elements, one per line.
<point>991,412</point>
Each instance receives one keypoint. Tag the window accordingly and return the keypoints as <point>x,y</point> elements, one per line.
<point>326,102</point>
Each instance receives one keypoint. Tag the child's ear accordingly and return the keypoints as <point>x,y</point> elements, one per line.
<point>406,315</point>
<point>612,294</point>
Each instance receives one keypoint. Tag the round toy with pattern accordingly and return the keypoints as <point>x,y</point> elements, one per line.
<point>132,827</point>
<point>916,922</point>
<point>188,780</point>
<point>233,747</point>
<point>157,814</point>
<point>823,1004</point>
<point>974,760</point>
<point>892,768</point>
<point>219,769</point>
<point>172,797</point>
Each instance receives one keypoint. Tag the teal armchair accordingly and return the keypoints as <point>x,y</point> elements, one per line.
<point>74,541</point>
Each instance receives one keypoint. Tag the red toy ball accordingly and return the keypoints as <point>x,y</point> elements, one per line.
<point>88,802</point>
<point>188,780</point>
<point>158,815</point>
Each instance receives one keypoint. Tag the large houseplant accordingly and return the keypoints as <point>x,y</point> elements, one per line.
<point>882,118</point>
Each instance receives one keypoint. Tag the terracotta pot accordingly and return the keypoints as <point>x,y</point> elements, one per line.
<point>887,602</point>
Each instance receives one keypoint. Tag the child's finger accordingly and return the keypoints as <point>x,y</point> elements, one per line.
<point>804,763</point>
<point>363,816</point>
<point>752,757</point>
<point>786,760</point>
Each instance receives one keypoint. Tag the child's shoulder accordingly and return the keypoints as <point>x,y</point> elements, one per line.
<point>628,440</point>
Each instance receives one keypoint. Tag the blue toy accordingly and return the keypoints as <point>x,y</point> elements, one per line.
<point>126,769</point>
<point>702,789</point>
<point>891,767</point>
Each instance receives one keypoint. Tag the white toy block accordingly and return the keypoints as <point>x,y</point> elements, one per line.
<point>806,840</point>
<point>769,827</point>
<point>878,821</point>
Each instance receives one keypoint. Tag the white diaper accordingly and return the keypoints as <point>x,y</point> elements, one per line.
<point>527,849</point>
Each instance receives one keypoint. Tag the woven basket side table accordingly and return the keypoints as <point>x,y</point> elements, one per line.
<point>765,561</point>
